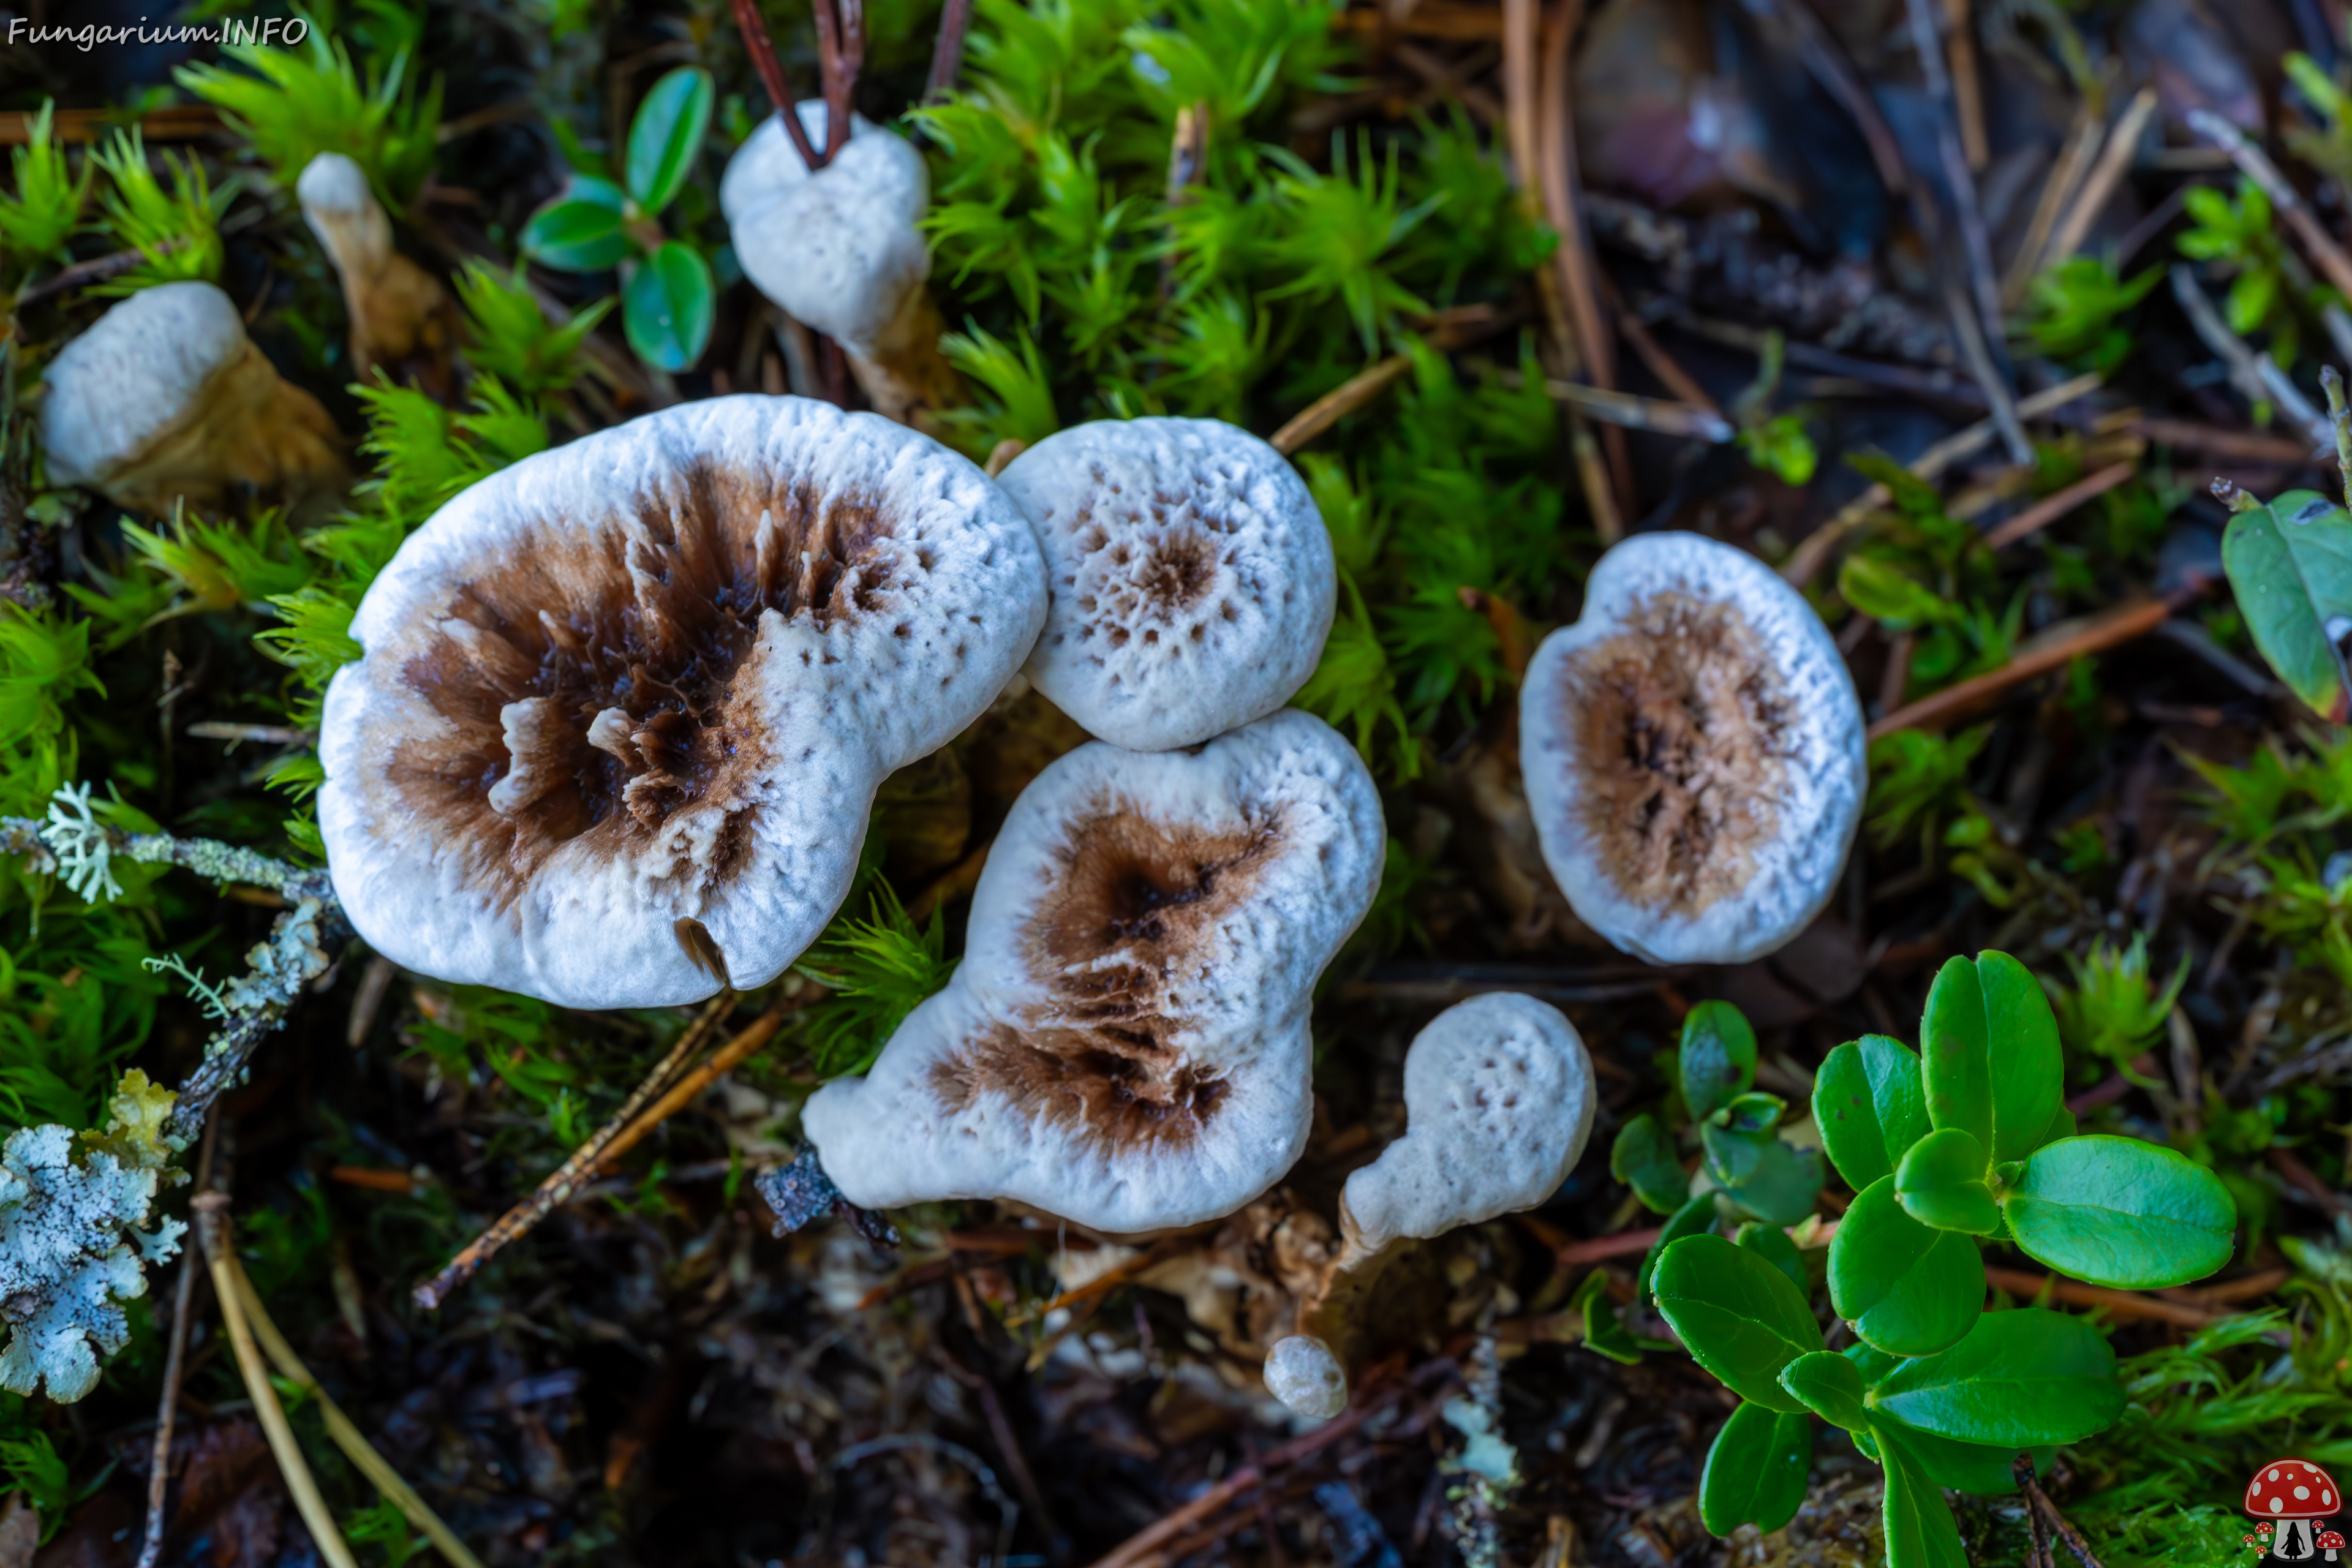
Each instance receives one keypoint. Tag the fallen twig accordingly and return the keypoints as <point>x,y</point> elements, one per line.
<point>771,77</point>
<point>212,1225</point>
<point>579,1168</point>
<point>2050,508</point>
<point>341,1429</point>
<point>2115,161</point>
<point>2123,1303</point>
<point>158,1476</point>
<point>1814,552</point>
<point>1338,403</point>
<point>2305,1179</point>
<point>2285,200</point>
<point>2072,1537</point>
<point>1624,1244</point>
<point>2058,188</point>
<point>2095,636</point>
<point>2256,376</point>
<point>724,1061</point>
<point>1624,408</point>
<point>947,55</point>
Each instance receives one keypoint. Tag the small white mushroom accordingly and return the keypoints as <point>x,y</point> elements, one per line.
<point>624,705</point>
<point>841,249</point>
<point>1302,1373</point>
<point>165,397</point>
<point>1498,1103</point>
<point>1694,754</point>
<point>1126,1043</point>
<point>400,314</point>
<point>1191,576</point>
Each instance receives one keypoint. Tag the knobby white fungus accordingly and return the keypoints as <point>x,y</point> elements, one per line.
<point>397,309</point>
<point>1302,1373</point>
<point>1191,576</point>
<point>841,249</point>
<point>165,397</point>
<point>1694,754</point>
<point>1499,1102</point>
<point>624,705</point>
<point>1126,1043</point>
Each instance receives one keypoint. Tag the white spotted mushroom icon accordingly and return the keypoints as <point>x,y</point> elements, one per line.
<point>2298,1495</point>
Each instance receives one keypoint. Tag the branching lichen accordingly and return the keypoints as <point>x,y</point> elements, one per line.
<point>70,1248</point>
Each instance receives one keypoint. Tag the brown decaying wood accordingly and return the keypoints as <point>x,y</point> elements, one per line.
<point>2120,624</point>
<point>2050,509</point>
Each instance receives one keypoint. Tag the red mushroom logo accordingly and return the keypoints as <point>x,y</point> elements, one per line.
<point>2296,1493</point>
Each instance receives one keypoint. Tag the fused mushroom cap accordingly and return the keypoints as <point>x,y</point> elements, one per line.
<point>1694,754</point>
<point>2292,1489</point>
<point>840,248</point>
<point>624,705</point>
<point>1302,1373</point>
<point>1126,1042</point>
<point>1191,576</point>
<point>1498,1103</point>
<point>136,375</point>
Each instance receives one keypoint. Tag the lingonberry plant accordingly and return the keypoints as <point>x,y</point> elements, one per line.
<point>1968,1142</point>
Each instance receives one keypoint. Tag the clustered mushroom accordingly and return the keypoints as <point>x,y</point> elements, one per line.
<point>841,249</point>
<point>623,706</point>
<point>166,399</point>
<point>400,314</point>
<point>1694,754</point>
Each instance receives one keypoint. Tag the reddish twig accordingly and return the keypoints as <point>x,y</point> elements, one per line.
<point>841,52</point>
<point>2044,512</point>
<point>559,1186</point>
<point>2123,1303</point>
<point>2101,633</point>
<point>1624,1244</point>
<point>2305,1179</point>
<point>2072,1537</point>
<point>947,56</point>
<point>772,76</point>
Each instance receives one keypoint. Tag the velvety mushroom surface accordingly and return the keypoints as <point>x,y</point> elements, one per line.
<point>1193,578</point>
<point>1694,754</point>
<point>1125,1044</point>
<point>624,705</point>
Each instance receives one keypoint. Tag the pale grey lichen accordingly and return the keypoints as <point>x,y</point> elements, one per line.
<point>83,848</point>
<point>68,1234</point>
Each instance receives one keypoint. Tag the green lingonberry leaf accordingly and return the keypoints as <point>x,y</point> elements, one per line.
<point>2121,1212</point>
<point>1871,1105</point>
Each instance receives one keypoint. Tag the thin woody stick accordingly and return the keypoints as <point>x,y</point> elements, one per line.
<point>212,1225</point>
<point>2103,632</point>
<point>947,56</point>
<point>772,76</point>
<point>518,1220</point>
<point>2041,515</point>
<point>151,1550</point>
<point>1338,403</point>
<point>724,1061</point>
<point>340,1427</point>
<point>2123,142</point>
<point>2256,166</point>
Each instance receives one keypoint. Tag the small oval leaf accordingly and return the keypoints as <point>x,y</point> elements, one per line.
<point>1871,1105</point>
<point>666,135</point>
<point>2290,564</point>
<point>2121,1212</point>
<point>1737,1316</point>
<point>576,237</point>
<point>1920,1532</point>
<point>2019,1378</point>
<point>1717,1059</point>
<point>1993,1066</point>
<point>1644,1158</point>
<point>1941,1183</point>
<point>666,307</point>
<point>1908,1288</point>
<point>1831,1386</point>
<point>1756,1473</point>
<point>1691,1220</point>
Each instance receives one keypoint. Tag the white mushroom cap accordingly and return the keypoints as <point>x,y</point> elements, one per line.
<point>841,248</point>
<point>653,679</point>
<point>1499,1102</point>
<point>1191,576</point>
<point>334,184</point>
<point>1302,1373</point>
<point>1126,1043</point>
<point>1694,754</point>
<point>164,395</point>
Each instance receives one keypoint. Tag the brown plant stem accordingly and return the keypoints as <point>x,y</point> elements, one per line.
<point>2040,1502</point>
<point>947,55</point>
<point>772,76</point>
<point>212,1225</point>
<point>2031,1287</point>
<point>1338,403</point>
<point>2098,634</point>
<point>756,1034</point>
<point>1624,1244</point>
<point>559,1186</point>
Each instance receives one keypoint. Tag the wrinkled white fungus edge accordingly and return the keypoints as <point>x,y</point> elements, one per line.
<point>1826,772</point>
<point>137,374</point>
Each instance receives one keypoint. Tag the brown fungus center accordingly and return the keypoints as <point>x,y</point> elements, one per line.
<point>589,674</point>
<point>1678,719</point>
<point>1115,940</point>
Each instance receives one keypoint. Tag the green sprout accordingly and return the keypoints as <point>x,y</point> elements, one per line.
<point>667,294</point>
<point>46,210</point>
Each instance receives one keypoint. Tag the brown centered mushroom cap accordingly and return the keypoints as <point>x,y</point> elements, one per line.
<point>164,398</point>
<point>1125,1044</point>
<point>624,705</point>
<point>1693,750</point>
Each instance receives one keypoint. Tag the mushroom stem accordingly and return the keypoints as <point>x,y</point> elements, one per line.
<point>902,373</point>
<point>400,314</point>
